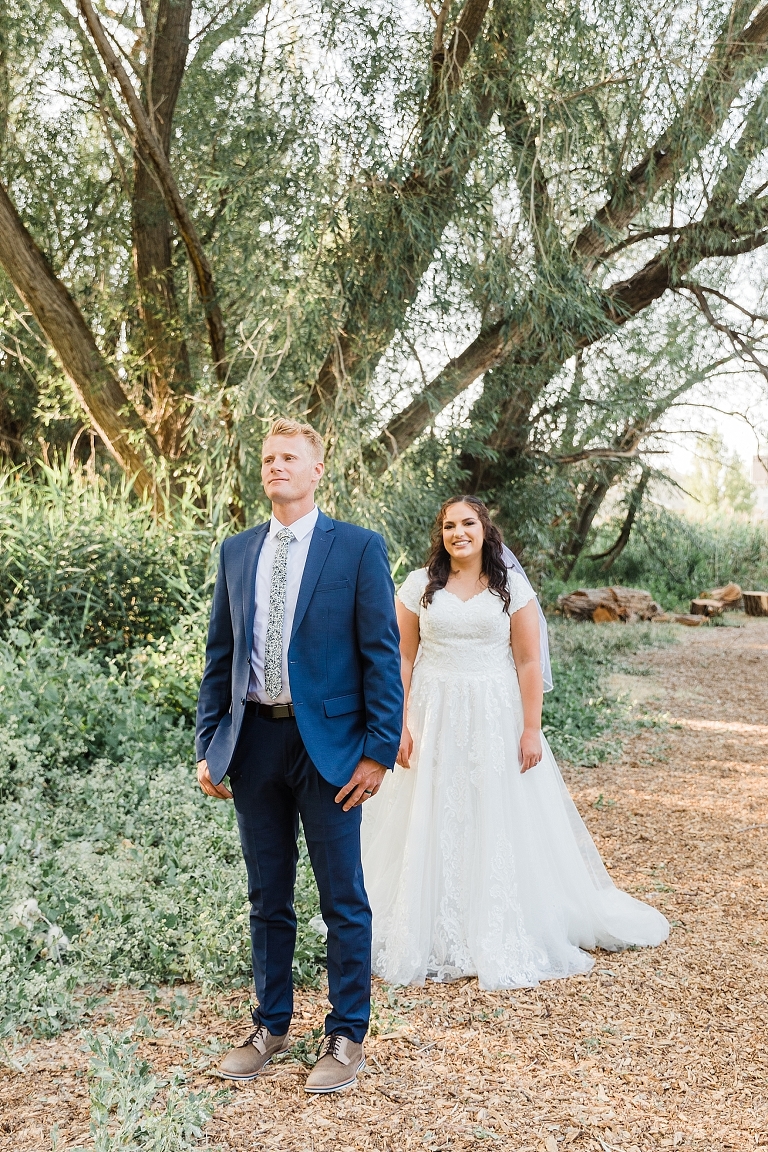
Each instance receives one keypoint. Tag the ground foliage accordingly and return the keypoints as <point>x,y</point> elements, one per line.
<point>658,1048</point>
<point>115,868</point>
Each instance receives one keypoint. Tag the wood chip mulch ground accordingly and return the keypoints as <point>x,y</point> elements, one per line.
<point>655,1049</point>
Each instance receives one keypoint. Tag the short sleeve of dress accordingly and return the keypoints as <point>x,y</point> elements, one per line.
<point>411,590</point>
<point>520,591</point>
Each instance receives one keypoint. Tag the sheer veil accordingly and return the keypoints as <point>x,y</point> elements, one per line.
<point>512,561</point>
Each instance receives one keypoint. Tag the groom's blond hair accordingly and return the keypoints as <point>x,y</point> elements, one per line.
<point>285,426</point>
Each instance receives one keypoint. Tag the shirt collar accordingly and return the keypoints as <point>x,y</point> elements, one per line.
<point>300,528</point>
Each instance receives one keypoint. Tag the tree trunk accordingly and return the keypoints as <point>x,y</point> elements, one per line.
<point>174,201</point>
<point>595,491</point>
<point>94,383</point>
<point>168,375</point>
<point>5,87</point>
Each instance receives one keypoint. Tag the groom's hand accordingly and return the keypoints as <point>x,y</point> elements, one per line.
<point>366,781</point>
<point>208,786</point>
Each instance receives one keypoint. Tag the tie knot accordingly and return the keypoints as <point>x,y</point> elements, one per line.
<point>285,534</point>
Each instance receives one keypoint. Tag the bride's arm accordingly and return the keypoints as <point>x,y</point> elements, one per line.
<point>409,646</point>
<point>524,638</point>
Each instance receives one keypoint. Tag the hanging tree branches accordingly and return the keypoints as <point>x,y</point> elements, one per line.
<point>254,206</point>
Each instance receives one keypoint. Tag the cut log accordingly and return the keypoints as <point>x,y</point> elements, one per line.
<point>603,605</point>
<point>756,603</point>
<point>691,621</point>
<point>605,614</point>
<point>729,596</point>
<point>701,607</point>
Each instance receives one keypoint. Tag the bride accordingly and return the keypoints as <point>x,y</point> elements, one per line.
<point>476,861</point>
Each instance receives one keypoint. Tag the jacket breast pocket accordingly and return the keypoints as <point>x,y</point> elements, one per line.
<point>340,705</point>
<point>332,586</point>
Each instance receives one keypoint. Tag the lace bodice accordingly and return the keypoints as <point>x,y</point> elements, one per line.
<point>466,637</point>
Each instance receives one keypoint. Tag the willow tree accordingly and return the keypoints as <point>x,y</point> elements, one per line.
<point>548,214</point>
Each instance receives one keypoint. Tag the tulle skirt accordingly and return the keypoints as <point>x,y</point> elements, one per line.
<point>475,869</point>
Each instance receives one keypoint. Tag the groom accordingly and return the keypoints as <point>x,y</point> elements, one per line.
<point>301,705</point>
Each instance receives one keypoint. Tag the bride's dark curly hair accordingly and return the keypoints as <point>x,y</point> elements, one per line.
<point>439,561</point>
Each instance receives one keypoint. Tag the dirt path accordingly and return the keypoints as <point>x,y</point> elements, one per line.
<point>655,1049</point>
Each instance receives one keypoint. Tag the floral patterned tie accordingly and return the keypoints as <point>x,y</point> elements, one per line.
<point>273,649</point>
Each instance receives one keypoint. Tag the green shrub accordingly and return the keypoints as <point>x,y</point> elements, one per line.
<point>132,1108</point>
<point>675,558</point>
<point>95,560</point>
<point>114,868</point>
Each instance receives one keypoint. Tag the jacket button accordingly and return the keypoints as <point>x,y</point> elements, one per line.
<point>242,699</point>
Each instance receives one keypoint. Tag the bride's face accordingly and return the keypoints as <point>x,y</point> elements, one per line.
<point>463,534</point>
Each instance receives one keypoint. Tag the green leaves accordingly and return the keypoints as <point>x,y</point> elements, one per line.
<point>105,837</point>
<point>134,1109</point>
<point>96,562</point>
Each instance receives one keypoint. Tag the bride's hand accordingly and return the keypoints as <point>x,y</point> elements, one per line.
<point>530,748</point>
<point>406,748</point>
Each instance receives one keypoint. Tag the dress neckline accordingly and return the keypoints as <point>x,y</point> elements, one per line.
<point>469,598</point>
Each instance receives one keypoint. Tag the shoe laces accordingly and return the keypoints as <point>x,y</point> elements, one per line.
<point>331,1046</point>
<point>257,1038</point>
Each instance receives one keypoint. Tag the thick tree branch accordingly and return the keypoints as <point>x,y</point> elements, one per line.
<point>633,507</point>
<point>411,214</point>
<point>531,181</point>
<point>153,147</point>
<point>447,64</point>
<point>593,454</point>
<point>94,383</point>
<point>213,35</point>
<point>619,303</point>
<point>738,53</point>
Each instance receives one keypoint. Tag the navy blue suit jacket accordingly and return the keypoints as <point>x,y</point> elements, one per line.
<point>343,656</point>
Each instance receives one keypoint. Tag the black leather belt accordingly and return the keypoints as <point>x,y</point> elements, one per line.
<point>271,711</point>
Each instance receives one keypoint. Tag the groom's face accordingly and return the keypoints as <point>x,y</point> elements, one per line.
<point>289,471</point>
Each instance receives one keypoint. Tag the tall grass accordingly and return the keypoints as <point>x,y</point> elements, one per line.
<point>94,559</point>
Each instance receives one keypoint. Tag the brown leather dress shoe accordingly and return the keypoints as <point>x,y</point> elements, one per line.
<point>338,1064</point>
<point>252,1056</point>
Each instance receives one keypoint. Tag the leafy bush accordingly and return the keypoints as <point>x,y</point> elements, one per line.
<point>675,558</point>
<point>132,1108</point>
<point>95,560</point>
<point>114,868</point>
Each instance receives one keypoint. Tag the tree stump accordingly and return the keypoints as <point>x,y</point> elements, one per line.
<point>755,603</point>
<point>729,596</point>
<point>702,607</point>
<point>608,605</point>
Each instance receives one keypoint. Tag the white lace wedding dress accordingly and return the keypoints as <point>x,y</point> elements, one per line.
<point>471,867</point>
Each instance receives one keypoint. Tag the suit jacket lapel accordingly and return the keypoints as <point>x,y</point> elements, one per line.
<point>250,562</point>
<point>319,547</point>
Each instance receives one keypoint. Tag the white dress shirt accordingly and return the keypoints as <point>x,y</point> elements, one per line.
<point>298,550</point>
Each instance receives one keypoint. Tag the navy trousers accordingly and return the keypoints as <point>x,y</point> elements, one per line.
<point>274,782</point>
